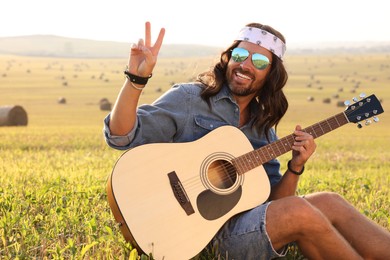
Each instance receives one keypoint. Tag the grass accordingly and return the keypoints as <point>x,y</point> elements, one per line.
<point>53,173</point>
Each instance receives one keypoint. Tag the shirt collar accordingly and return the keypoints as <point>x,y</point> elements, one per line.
<point>224,93</point>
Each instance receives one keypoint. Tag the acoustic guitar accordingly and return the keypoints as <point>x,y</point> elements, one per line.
<point>170,199</point>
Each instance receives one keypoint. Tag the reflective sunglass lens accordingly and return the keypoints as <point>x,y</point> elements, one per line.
<point>260,61</point>
<point>239,54</point>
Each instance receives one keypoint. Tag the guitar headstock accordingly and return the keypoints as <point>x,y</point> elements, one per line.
<point>364,109</point>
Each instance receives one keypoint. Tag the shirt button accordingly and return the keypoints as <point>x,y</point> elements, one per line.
<point>212,126</point>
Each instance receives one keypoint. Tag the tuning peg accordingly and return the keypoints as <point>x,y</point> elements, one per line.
<point>362,95</point>
<point>359,125</point>
<point>347,102</point>
<point>355,99</point>
<point>368,122</point>
<point>375,119</point>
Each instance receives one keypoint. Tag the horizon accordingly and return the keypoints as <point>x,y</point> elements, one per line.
<point>310,45</point>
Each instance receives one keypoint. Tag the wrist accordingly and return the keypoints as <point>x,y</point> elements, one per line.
<point>134,86</point>
<point>293,170</point>
<point>136,79</point>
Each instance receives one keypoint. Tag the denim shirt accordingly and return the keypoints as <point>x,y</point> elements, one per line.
<point>181,115</point>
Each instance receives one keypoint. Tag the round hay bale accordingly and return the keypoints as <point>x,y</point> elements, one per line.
<point>61,100</point>
<point>105,106</point>
<point>310,98</point>
<point>103,100</point>
<point>341,104</point>
<point>13,116</point>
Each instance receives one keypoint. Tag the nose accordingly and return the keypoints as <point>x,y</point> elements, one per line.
<point>246,63</point>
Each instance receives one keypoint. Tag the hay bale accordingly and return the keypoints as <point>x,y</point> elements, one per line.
<point>13,116</point>
<point>103,100</point>
<point>61,100</point>
<point>310,98</point>
<point>105,106</point>
<point>341,104</point>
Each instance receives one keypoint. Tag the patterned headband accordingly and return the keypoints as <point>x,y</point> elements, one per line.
<point>264,39</point>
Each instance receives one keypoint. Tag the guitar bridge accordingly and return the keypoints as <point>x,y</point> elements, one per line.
<point>180,194</point>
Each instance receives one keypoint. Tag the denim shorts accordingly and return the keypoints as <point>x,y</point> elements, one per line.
<point>244,237</point>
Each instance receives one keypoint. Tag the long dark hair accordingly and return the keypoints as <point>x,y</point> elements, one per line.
<point>271,100</point>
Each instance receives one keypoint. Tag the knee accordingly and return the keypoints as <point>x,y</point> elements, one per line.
<point>331,197</point>
<point>302,210</point>
<point>309,218</point>
<point>324,200</point>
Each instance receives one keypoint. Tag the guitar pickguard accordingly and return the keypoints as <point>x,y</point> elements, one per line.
<point>212,206</point>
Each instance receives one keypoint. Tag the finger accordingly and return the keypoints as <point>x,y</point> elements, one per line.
<point>298,150</point>
<point>135,48</point>
<point>147,34</point>
<point>159,41</point>
<point>298,131</point>
<point>301,142</point>
<point>303,137</point>
<point>299,147</point>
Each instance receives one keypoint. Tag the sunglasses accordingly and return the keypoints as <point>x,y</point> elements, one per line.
<point>259,60</point>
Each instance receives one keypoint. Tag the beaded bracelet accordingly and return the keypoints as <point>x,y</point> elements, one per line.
<point>295,172</point>
<point>137,88</point>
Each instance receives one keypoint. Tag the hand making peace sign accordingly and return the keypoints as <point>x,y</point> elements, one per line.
<point>143,56</point>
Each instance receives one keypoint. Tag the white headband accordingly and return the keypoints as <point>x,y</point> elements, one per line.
<point>264,39</point>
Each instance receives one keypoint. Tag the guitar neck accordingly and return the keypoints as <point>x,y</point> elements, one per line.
<point>253,159</point>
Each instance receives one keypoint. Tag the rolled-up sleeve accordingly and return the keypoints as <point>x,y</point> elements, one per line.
<point>117,141</point>
<point>160,122</point>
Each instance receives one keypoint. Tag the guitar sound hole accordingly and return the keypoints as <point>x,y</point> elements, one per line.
<point>221,174</point>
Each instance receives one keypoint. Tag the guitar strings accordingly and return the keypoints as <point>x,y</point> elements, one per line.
<point>226,174</point>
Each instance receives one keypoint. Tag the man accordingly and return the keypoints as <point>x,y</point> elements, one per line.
<point>244,90</point>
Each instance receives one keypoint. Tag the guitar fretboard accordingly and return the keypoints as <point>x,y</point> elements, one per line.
<point>253,159</point>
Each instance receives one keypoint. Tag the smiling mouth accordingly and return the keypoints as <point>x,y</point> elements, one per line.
<point>242,76</point>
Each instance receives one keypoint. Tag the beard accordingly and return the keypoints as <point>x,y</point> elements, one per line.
<point>241,89</point>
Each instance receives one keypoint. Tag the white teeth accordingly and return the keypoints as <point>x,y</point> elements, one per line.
<point>242,76</point>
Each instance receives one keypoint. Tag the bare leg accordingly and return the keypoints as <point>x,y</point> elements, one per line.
<point>369,239</point>
<point>295,219</point>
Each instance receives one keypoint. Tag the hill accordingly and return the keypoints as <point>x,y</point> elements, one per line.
<point>57,46</point>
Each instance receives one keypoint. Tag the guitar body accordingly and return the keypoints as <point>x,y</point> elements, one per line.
<point>170,199</point>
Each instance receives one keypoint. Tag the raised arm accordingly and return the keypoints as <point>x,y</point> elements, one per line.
<point>142,59</point>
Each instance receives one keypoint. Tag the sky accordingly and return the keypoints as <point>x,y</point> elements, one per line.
<point>205,22</point>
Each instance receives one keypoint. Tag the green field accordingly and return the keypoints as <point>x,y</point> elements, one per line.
<point>53,172</point>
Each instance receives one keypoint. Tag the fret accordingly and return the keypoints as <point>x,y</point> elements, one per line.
<point>244,162</point>
<point>239,165</point>
<point>283,145</point>
<point>286,143</point>
<point>277,144</point>
<point>329,127</point>
<point>271,152</point>
<point>322,130</point>
<point>337,121</point>
<point>311,131</point>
